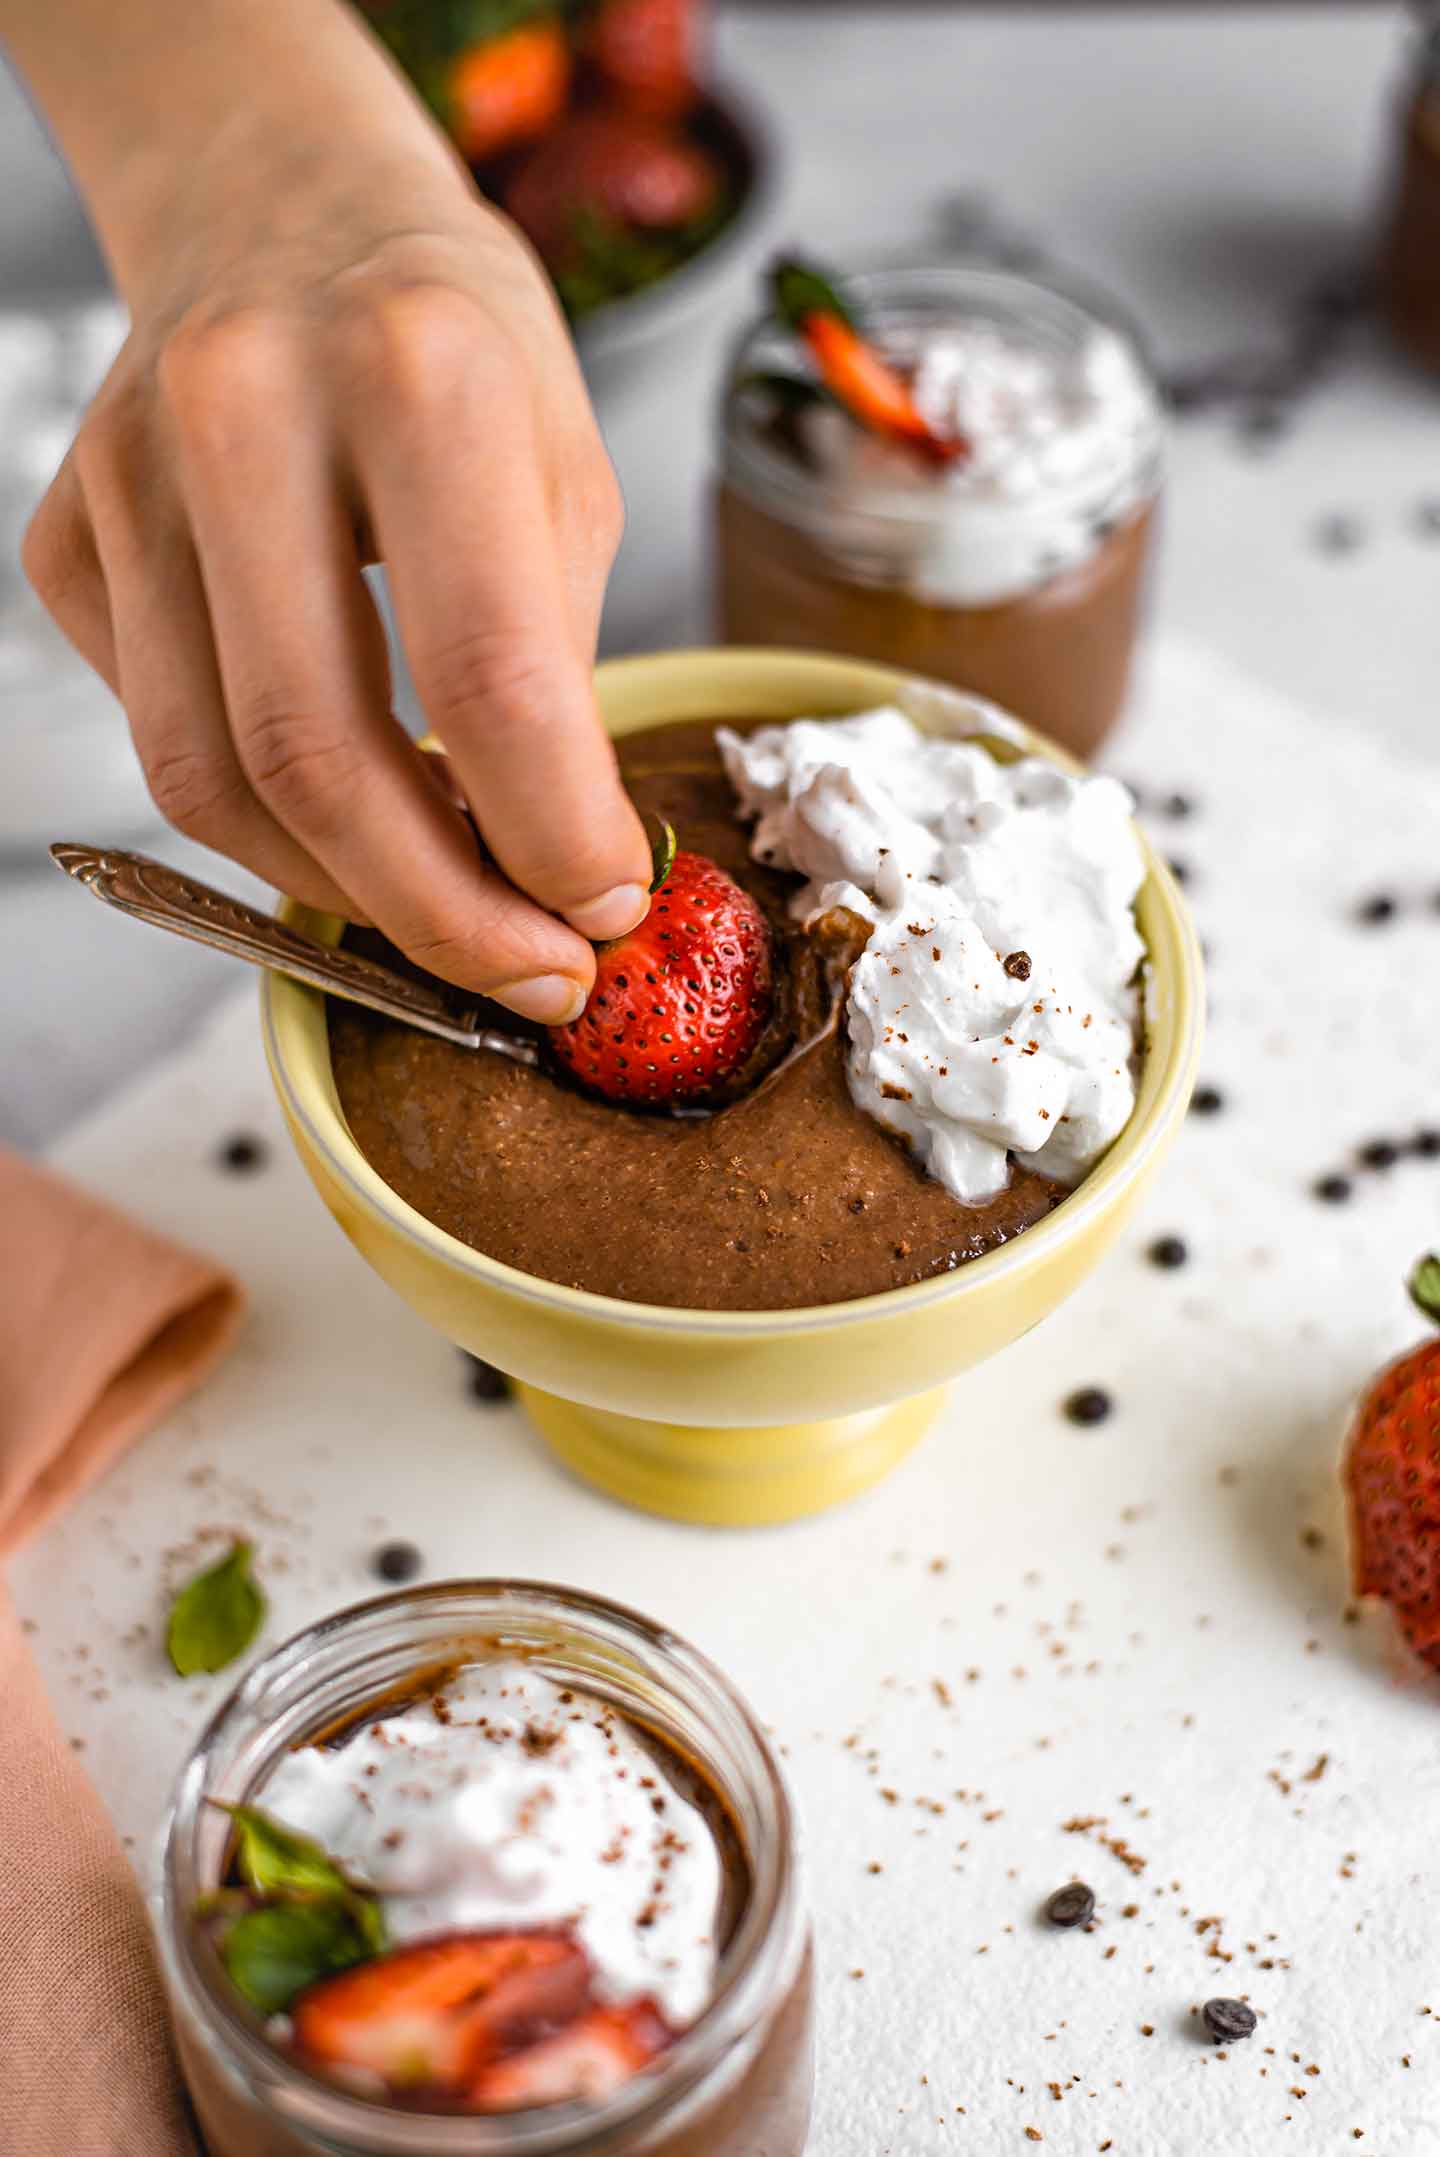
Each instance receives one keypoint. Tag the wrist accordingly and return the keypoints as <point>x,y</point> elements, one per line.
<point>211,117</point>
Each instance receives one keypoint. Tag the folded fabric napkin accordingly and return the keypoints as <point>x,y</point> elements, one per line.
<point>103,1326</point>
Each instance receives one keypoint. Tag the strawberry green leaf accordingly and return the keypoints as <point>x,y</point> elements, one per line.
<point>216,1615</point>
<point>1424,1287</point>
<point>662,853</point>
<point>800,290</point>
<point>273,1953</point>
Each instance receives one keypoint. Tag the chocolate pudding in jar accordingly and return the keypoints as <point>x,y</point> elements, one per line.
<point>1410,253</point>
<point>488,1870</point>
<point>1010,560</point>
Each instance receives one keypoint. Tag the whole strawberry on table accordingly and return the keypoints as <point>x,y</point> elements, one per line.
<point>1392,1482</point>
<point>584,119</point>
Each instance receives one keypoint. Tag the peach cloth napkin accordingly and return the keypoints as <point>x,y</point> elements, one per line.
<point>103,1326</point>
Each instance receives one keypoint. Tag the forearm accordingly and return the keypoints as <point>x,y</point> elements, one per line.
<point>153,100</point>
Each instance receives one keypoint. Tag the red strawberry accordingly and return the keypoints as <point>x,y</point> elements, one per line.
<point>617,166</point>
<point>508,90</point>
<point>681,1002</point>
<point>588,2061</point>
<point>857,375</point>
<point>646,51</point>
<point>1392,1477</point>
<point>429,2015</point>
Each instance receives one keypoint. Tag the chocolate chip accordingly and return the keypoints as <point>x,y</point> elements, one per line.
<point>1426,1144</point>
<point>1263,424</point>
<point>1179,806</point>
<point>396,1561</point>
<point>242,1154</point>
<point>1180,870</point>
<point>1339,534</point>
<point>484,1382</point>
<point>1380,1153</point>
<point>1229,2020</point>
<point>1377,908</point>
<point>1070,1906</point>
<point>1017,966</point>
<point>1334,1190</point>
<point>1091,1404</point>
<point>1168,1252</point>
<point>1207,1101</point>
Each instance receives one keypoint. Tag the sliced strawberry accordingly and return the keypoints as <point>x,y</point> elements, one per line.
<point>587,2062</point>
<point>1392,1479</point>
<point>859,377</point>
<point>615,166</point>
<point>510,89</point>
<point>646,52</point>
<point>428,2015</point>
<point>681,1003</point>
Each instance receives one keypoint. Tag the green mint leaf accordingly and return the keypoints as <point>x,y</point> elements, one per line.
<point>216,1615</point>
<point>278,1860</point>
<point>662,853</point>
<point>273,1953</point>
<point>1425,1287</point>
<point>801,289</point>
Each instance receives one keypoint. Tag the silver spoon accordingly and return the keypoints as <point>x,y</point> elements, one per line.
<point>150,891</point>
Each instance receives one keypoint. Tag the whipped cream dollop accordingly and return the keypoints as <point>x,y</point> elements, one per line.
<point>506,1801</point>
<point>1062,446</point>
<point>993,1010</point>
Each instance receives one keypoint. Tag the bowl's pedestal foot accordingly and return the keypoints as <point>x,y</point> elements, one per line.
<point>730,1478</point>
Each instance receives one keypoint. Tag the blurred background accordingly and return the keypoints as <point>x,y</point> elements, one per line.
<point>1224,171</point>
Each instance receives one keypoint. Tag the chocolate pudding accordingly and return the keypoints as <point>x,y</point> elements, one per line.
<point>790,1196</point>
<point>558,1893</point>
<point>1410,258</point>
<point>1017,569</point>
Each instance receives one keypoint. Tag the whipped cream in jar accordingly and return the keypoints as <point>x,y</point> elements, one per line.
<point>546,1792</point>
<point>1015,569</point>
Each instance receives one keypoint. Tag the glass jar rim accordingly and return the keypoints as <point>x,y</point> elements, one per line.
<point>1072,303</point>
<point>759,1959</point>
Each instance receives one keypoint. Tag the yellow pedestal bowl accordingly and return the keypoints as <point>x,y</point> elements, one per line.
<point>744,1417</point>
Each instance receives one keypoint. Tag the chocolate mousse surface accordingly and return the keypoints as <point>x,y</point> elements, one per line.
<point>790,1196</point>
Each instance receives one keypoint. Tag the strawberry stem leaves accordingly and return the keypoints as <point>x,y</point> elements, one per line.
<point>1424,1286</point>
<point>662,853</point>
<point>801,289</point>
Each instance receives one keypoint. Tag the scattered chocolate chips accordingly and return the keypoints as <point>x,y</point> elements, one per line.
<point>1229,2020</point>
<point>1090,1404</point>
<point>1207,1101</point>
<point>397,1562</point>
<point>1017,966</point>
<point>1333,1190</point>
<point>1426,1144</point>
<point>1378,908</point>
<point>1178,806</point>
<point>1070,1906</point>
<point>484,1382</point>
<point>243,1154</point>
<point>1178,869</point>
<point>1339,534</point>
<point>1380,1153</point>
<point>1168,1252</point>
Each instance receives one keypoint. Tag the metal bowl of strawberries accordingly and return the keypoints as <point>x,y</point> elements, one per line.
<point>592,124</point>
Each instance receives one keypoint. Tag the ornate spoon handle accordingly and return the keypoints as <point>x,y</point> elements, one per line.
<point>168,899</point>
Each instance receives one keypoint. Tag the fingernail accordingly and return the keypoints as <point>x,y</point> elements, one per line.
<point>612,914</point>
<point>549,999</point>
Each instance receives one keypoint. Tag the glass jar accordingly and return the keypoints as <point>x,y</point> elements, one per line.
<point>1410,248</point>
<point>737,2081</point>
<point>1021,581</point>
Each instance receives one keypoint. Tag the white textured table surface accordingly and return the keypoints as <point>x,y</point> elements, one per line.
<point>1119,1651</point>
<point>1207,163</point>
